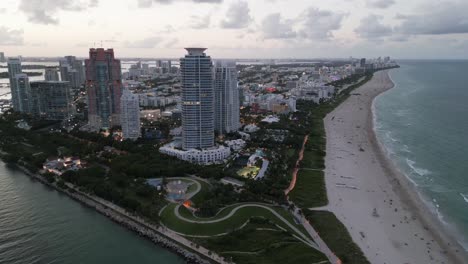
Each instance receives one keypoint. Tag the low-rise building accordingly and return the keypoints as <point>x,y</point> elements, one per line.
<point>214,155</point>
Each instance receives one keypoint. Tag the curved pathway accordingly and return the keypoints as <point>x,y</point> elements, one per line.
<point>296,169</point>
<point>233,211</point>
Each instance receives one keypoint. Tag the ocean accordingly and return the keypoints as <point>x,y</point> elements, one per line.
<point>41,225</point>
<point>423,125</point>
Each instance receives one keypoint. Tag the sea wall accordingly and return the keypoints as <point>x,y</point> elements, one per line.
<point>140,227</point>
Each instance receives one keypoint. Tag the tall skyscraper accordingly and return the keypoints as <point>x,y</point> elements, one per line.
<point>130,115</point>
<point>23,89</point>
<point>104,88</point>
<point>72,70</point>
<point>2,57</point>
<point>363,63</point>
<point>51,74</point>
<point>14,68</point>
<point>51,100</point>
<point>197,100</point>
<point>226,97</point>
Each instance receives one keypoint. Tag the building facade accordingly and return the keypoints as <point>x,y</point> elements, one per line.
<point>215,155</point>
<point>104,88</point>
<point>72,71</point>
<point>227,106</point>
<point>51,100</point>
<point>2,57</point>
<point>130,115</point>
<point>51,74</point>
<point>23,89</point>
<point>14,68</point>
<point>197,100</point>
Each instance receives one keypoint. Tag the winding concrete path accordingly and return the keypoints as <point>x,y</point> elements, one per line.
<point>234,210</point>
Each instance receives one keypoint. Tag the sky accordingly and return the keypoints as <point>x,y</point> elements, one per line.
<point>413,29</point>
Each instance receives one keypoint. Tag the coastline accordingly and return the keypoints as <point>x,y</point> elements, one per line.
<point>385,215</point>
<point>156,234</point>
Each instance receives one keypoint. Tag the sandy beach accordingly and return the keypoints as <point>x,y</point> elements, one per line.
<point>377,204</point>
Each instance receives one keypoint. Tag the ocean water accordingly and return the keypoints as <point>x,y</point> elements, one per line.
<point>38,225</point>
<point>423,124</point>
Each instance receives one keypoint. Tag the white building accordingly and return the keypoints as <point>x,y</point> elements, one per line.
<point>227,113</point>
<point>208,156</point>
<point>130,115</point>
<point>235,145</point>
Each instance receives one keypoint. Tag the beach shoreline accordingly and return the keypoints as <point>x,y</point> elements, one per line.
<point>381,209</point>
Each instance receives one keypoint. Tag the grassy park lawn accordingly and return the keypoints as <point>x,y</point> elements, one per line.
<point>312,160</point>
<point>205,188</point>
<point>170,220</point>
<point>335,234</point>
<point>251,245</point>
<point>310,189</point>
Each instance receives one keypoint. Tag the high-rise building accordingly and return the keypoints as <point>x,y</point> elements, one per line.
<point>14,68</point>
<point>23,89</point>
<point>72,70</point>
<point>51,100</point>
<point>51,74</point>
<point>2,57</point>
<point>226,97</point>
<point>197,100</point>
<point>363,63</point>
<point>104,88</point>
<point>130,115</point>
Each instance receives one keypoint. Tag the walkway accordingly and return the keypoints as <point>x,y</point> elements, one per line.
<point>322,246</point>
<point>262,171</point>
<point>296,169</point>
<point>233,211</point>
<point>161,230</point>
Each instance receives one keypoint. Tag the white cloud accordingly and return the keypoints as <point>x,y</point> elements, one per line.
<point>274,27</point>
<point>380,3</point>
<point>10,37</point>
<point>237,16</point>
<point>371,27</point>
<point>44,11</point>
<point>200,22</point>
<point>319,24</point>
<point>147,43</point>
<point>439,19</point>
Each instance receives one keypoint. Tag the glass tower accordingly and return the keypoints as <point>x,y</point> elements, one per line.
<point>197,100</point>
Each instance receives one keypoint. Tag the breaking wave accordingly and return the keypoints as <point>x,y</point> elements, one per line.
<point>419,171</point>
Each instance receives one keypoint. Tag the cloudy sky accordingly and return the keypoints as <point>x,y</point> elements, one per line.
<point>237,28</point>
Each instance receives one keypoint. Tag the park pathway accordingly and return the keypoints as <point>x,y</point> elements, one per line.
<point>296,169</point>
<point>233,211</point>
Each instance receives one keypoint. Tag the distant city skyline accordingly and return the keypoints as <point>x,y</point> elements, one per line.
<point>236,28</point>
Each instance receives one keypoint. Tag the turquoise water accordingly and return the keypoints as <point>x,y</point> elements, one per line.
<point>423,124</point>
<point>40,225</point>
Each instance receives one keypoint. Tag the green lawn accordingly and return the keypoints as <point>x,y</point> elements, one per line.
<point>265,246</point>
<point>312,160</point>
<point>169,219</point>
<point>205,188</point>
<point>335,234</point>
<point>310,190</point>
